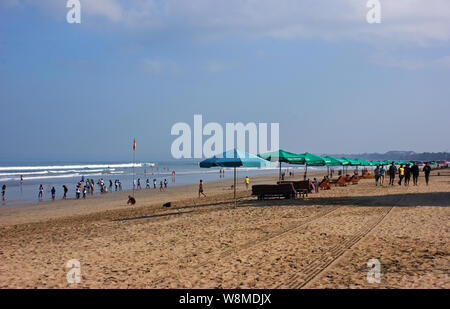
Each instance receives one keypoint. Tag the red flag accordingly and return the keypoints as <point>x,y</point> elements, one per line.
<point>134,145</point>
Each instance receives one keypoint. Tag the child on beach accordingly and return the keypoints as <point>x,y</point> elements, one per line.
<point>131,200</point>
<point>200,189</point>
<point>247,182</point>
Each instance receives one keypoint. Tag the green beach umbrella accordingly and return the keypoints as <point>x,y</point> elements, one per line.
<point>234,158</point>
<point>282,156</point>
<point>313,160</point>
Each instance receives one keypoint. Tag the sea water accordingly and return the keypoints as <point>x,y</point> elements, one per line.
<point>71,173</point>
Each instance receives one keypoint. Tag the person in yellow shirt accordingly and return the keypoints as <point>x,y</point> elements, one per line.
<point>401,173</point>
<point>247,182</point>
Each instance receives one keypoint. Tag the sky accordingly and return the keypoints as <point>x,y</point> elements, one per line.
<point>132,69</point>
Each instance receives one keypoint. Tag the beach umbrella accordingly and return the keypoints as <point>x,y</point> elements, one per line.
<point>312,160</point>
<point>332,161</point>
<point>282,156</point>
<point>234,158</point>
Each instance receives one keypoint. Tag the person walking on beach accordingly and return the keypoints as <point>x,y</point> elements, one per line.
<point>110,185</point>
<point>427,171</point>
<point>165,183</point>
<point>161,187</point>
<point>247,182</point>
<point>377,175</point>
<point>147,186</point>
<point>415,173</point>
<point>3,192</point>
<point>139,183</point>
<point>65,192</point>
<point>407,174</point>
<point>201,189</point>
<point>392,172</point>
<point>382,175</point>
<point>41,192</point>
<point>401,174</point>
<point>154,183</point>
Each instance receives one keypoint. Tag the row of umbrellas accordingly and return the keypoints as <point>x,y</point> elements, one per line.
<point>236,158</point>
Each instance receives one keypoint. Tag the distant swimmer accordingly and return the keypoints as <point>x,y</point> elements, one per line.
<point>21,179</point>
<point>3,192</point>
<point>131,200</point>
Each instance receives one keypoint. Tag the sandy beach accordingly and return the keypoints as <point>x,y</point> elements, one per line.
<point>322,241</point>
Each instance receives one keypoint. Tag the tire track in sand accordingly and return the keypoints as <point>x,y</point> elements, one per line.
<point>311,271</point>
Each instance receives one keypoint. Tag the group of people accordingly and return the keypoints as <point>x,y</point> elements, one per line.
<point>162,184</point>
<point>404,171</point>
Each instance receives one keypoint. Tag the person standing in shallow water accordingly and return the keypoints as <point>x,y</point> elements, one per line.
<point>41,192</point>
<point>3,192</point>
<point>53,193</point>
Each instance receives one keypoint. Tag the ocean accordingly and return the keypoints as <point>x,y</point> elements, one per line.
<point>69,174</point>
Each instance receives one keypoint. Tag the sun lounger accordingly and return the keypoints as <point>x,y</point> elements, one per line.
<point>286,190</point>
<point>325,184</point>
<point>341,181</point>
<point>353,180</point>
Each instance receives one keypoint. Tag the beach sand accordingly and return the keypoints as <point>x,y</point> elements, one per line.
<point>323,241</point>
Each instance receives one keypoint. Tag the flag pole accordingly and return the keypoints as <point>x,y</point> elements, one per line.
<point>134,155</point>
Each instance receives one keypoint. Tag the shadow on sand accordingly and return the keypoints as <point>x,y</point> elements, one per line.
<point>441,199</point>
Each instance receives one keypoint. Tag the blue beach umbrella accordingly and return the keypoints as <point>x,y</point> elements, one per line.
<point>234,158</point>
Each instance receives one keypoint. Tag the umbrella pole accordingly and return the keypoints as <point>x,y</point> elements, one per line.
<point>279,175</point>
<point>234,187</point>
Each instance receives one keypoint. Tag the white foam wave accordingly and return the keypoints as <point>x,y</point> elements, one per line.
<point>72,167</point>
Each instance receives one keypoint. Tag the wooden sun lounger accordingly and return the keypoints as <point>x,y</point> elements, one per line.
<point>341,181</point>
<point>285,190</point>
<point>325,184</point>
<point>302,187</point>
<point>353,180</point>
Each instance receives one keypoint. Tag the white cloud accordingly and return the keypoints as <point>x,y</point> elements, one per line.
<point>418,21</point>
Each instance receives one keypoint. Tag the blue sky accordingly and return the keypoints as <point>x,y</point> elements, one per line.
<point>134,68</point>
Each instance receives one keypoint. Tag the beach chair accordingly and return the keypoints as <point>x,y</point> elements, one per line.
<point>353,180</point>
<point>325,184</point>
<point>339,182</point>
<point>285,190</point>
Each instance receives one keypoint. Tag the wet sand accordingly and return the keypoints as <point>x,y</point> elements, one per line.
<point>323,241</point>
